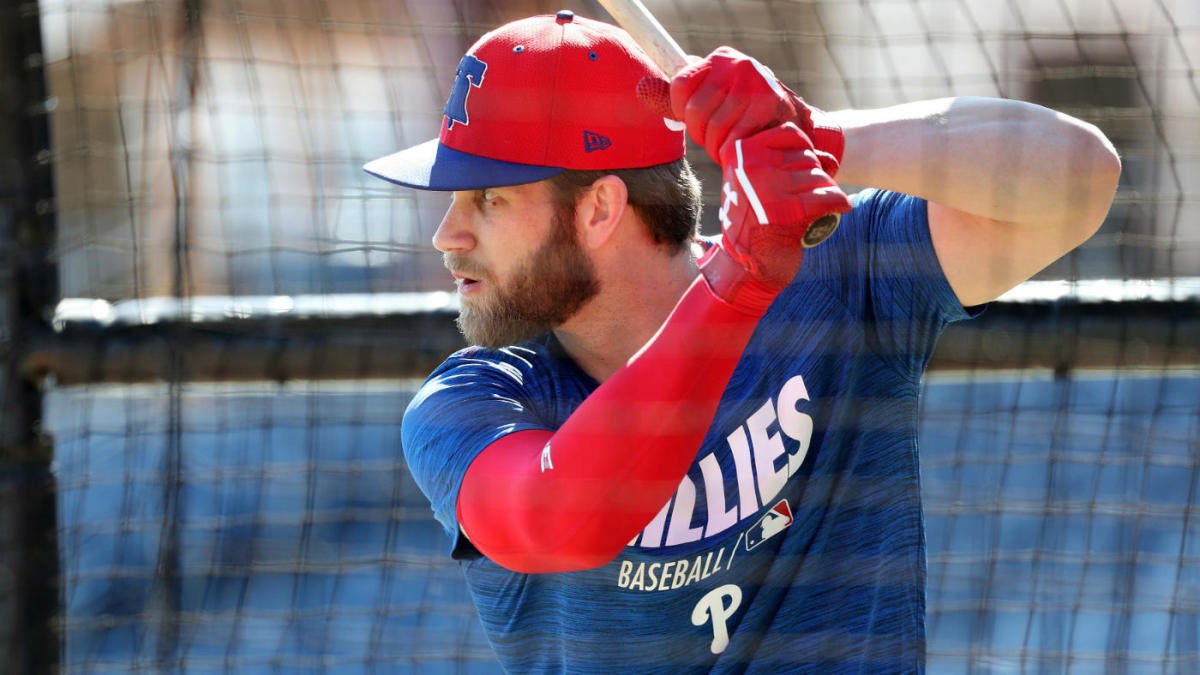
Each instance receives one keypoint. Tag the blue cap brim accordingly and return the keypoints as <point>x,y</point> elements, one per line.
<point>433,166</point>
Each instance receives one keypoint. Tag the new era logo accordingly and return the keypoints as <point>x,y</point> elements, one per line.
<point>593,141</point>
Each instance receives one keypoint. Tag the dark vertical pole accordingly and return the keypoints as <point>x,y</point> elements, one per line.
<point>183,109</point>
<point>30,603</point>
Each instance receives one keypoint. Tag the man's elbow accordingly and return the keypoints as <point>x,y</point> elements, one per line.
<point>531,542</point>
<point>567,555</point>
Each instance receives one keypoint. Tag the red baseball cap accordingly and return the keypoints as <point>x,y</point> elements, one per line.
<point>537,96</point>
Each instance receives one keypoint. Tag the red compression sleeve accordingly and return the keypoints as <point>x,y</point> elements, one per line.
<point>540,501</point>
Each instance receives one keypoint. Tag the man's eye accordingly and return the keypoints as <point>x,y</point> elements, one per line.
<point>485,198</point>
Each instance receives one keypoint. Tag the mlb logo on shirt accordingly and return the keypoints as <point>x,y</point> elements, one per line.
<point>772,523</point>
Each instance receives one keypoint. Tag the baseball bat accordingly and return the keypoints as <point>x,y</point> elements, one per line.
<point>633,16</point>
<point>646,30</point>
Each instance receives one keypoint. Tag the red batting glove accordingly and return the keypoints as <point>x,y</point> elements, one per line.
<point>731,95</point>
<point>773,189</point>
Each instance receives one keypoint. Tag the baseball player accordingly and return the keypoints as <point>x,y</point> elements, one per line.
<point>663,454</point>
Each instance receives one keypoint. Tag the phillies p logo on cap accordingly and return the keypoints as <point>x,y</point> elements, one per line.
<point>470,73</point>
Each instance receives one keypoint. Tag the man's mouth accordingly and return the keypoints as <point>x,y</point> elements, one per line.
<point>467,275</point>
<point>464,282</point>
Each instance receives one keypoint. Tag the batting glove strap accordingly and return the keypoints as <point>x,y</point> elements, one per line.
<point>733,282</point>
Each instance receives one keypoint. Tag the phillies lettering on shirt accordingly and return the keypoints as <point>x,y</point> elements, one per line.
<point>763,460</point>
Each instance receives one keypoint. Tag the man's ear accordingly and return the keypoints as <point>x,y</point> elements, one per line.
<point>600,209</point>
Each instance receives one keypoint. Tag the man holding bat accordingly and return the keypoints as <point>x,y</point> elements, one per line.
<point>668,455</point>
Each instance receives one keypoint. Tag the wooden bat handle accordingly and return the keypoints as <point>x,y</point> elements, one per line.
<point>633,16</point>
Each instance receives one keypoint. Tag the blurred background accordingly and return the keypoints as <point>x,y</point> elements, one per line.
<point>214,321</point>
<point>260,113</point>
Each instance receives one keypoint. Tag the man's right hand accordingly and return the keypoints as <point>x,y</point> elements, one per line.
<point>729,95</point>
<point>773,188</point>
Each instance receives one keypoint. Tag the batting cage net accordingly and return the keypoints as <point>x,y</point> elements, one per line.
<point>214,320</point>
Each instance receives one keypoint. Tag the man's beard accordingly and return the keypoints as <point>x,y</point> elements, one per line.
<point>545,290</point>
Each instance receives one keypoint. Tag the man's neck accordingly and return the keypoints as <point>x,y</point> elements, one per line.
<point>627,312</point>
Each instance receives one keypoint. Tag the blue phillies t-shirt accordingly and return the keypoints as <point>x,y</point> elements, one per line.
<point>795,542</point>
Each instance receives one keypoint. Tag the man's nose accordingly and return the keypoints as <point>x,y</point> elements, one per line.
<point>454,232</point>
